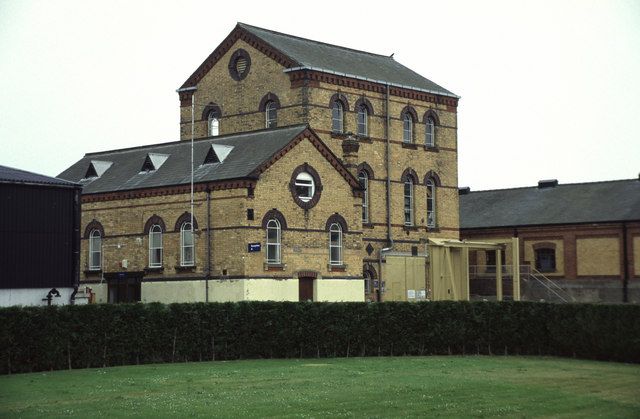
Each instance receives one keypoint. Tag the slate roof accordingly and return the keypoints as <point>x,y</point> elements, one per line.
<point>250,151</point>
<point>319,56</point>
<point>596,202</point>
<point>11,175</point>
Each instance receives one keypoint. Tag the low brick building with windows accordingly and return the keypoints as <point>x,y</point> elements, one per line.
<point>585,236</point>
<point>399,130</point>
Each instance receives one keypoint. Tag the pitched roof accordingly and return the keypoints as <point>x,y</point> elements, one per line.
<point>11,175</point>
<point>617,200</point>
<point>307,54</point>
<point>250,153</point>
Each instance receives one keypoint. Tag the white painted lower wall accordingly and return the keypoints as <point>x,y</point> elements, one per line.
<point>33,297</point>
<point>337,290</point>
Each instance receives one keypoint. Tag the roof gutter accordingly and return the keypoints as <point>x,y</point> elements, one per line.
<point>353,76</point>
<point>186,89</point>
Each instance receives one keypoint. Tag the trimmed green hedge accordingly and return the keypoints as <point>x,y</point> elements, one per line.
<point>48,338</point>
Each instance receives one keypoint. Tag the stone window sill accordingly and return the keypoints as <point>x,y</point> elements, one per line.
<point>433,229</point>
<point>154,270</point>
<point>274,266</point>
<point>411,146</point>
<point>434,149</point>
<point>410,228</point>
<point>367,225</point>
<point>92,272</point>
<point>337,268</point>
<point>190,268</point>
<point>365,139</point>
<point>336,134</point>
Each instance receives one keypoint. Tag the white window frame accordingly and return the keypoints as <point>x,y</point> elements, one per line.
<point>337,117</point>
<point>95,248</point>
<point>271,121</point>
<point>213,125</point>
<point>363,112</point>
<point>274,224</point>
<point>368,280</point>
<point>430,132</point>
<point>337,229</point>
<point>185,229</point>
<point>407,128</point>
<point>363,177</point>
<point>408,198</point>
<point>305,180</point>
<point>431,203</point>
<point>155,231</point>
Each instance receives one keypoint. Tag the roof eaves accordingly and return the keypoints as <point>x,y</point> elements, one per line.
<point>402,86</point>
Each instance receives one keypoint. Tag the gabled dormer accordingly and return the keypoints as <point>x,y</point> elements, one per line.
<point>96,169</point>
<point>153,162</point>
<point>217,153</point>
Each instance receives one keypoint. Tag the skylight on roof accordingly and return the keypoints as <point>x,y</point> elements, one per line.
<point>153,162</point>
<point>217,153</point>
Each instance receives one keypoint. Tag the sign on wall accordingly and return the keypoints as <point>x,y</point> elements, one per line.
<point>254,247</point>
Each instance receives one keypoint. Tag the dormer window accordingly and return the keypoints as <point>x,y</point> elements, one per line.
<point>153,162</point>
<point>217,153</point>
<point>96,169</point>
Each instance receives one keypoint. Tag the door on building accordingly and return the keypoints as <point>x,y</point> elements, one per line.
<point>305,289</point>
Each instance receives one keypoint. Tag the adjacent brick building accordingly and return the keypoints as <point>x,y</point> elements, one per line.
<point>355,116</point>
<point>585,236</point>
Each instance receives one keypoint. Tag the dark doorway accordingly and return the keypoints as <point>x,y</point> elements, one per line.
<point>305,289</point>
<point>124,287</point>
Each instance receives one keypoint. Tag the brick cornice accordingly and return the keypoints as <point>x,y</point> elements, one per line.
<point>298,78</point>
<point>168,190</point>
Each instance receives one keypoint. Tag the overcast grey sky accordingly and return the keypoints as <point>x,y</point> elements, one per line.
<point>550,89</point>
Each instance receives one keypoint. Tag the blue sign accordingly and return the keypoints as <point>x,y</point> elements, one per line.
<point>254,247</point>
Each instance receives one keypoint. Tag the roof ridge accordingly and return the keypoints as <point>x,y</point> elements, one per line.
<point>245,25</point>
<point>225,136</point>
<point>559,185</point>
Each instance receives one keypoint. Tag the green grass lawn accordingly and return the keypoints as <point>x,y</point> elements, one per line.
<point>362,387</point>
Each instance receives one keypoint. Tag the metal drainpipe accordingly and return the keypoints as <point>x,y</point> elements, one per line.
<point>625,269</point>
<point>388,167</point>
<point>208,271</point>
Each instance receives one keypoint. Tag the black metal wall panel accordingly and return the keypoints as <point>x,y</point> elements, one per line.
<point>38,229</point>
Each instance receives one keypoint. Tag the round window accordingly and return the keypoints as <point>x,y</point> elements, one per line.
<point>305,186</point>
<point>239,64</point>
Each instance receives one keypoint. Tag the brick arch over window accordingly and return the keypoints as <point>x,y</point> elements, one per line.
<point>339,97</point>
<point>433,115</point>
<point>364,167</point>
<point>185,218</point>
<point>336,218</point>
<point>154,219</point>
<point>93,225</point>
<point>364,101</point>
<point>409,173</point>
<point>212,107</point>
<point>274,214</point>
<point>432,175</point>
<point>409,110</point>
<point>370,269</point>
<point>544,245</point>
<point>269,97</point>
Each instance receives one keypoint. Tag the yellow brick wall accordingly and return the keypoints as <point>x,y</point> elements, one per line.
<point>636,255</point>
<point>598,256</point>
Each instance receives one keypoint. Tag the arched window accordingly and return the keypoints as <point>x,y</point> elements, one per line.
<point>187,255</point>
<point>335,244</point>
<point>431,202</point>
<point>213,124</point>
<point>407,128</point>
<point>274,256</point>
<point>430,132</point>
<point>95,250</point>
<point>368,279</point>
<point>363,120</point>
<point>337,117</point>
<point>364,182</point>
<point>545,259</point>
<point>271,114</point>
<point>408,201</point>
<point>155,246</point>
